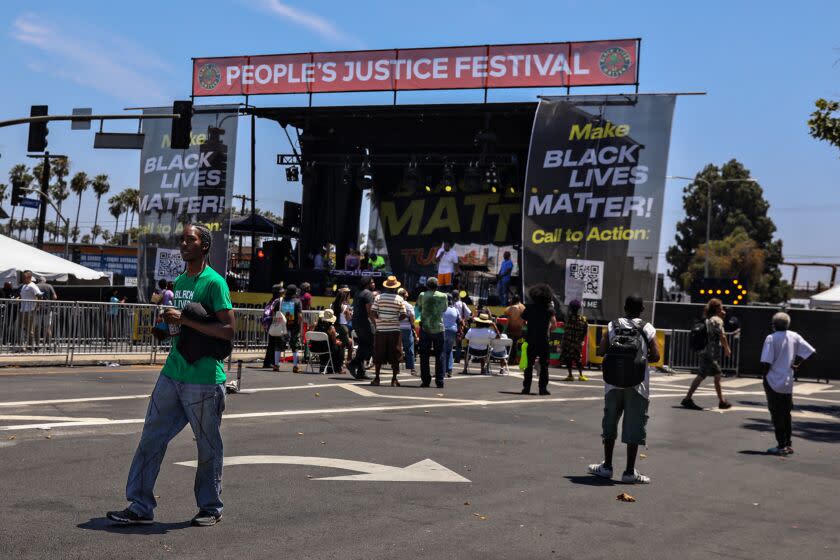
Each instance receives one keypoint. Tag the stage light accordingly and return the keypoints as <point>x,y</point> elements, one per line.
<point>428,188</point>
<point>448,179</point>
<point>491,177</point>
<point>472,178</point>
<point>347,174</point>
<point>702,292</point>
<point>366,172</point>
<point>292,174</point>
<point>512,190</point>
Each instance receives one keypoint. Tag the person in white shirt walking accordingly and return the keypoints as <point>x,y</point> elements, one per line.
<point>782,354</point>
<point>29,292</point>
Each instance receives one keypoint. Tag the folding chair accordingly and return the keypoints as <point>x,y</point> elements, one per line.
<point>497,347</point>
<point>468,356</point>
<point>318,336</point>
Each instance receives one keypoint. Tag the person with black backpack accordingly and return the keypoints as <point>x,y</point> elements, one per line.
<point>715,340</point>
<point>628,347</point>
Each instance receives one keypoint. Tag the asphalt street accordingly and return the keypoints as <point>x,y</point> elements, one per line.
<point>492,473</point>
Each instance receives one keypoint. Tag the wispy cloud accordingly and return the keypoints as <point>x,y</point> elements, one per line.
<point>320,25</point>
<point>95,58</point>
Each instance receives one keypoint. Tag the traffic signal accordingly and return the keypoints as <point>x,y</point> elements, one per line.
<point>38,130</point>
<point>181,127</point>
<point>17,192</point>
<point>730,291</point>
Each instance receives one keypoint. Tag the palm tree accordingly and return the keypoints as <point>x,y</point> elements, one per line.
<point>58,191</point>
<point>3,197</point>
<point>20,173</point>
<point>95,232</point>
<point>132,202</point>
<point>100,187</point>
<point>78,185</point>
<point>116,209</point>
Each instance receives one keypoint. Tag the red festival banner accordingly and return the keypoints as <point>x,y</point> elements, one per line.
<point>593,63</point>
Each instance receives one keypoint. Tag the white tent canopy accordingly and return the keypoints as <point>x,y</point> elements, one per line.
<point>16,257</point>
<point>829,299</point>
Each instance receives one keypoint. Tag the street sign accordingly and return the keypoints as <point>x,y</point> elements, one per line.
<point>30,202</point>
<point>81,125</point>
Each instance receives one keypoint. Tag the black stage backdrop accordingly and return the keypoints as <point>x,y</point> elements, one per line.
<point>416,222</point>
<point>593,205</point>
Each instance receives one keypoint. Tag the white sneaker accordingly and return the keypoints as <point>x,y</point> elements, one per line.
<point>503,371</point>
<point>598,469</point>
<point>635,478</point>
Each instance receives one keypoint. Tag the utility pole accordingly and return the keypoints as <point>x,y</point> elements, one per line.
<point>243,198</point>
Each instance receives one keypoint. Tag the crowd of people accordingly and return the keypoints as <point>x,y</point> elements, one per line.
<point>440,330</point>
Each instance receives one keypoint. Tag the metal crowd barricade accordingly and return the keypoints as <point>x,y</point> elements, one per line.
<point>681,356</point>
<point>69,328</point>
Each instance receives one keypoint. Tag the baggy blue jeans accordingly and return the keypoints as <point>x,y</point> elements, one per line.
<point>172,406</point>
<point>408,347</point>
<point>449,338</point>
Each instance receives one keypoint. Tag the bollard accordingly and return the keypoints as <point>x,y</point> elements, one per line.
<point>239,374</point>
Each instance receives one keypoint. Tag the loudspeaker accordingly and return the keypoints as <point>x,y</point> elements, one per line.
<point>291,214</point>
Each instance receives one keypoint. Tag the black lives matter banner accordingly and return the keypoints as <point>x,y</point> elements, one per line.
<point>184,186</point>
<point>595,186</point>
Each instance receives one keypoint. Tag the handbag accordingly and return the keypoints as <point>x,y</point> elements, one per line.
<point>278,324</point>
<point>523,358</point>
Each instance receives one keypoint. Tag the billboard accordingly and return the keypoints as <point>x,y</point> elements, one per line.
<point>182,186</point>
<point>589,63</point>
<point>595,187</point>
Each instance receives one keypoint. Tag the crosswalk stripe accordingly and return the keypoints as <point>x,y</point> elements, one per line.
<point>741,382</point>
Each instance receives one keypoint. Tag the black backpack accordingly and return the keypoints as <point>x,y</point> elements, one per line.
<point>698,338</point>
<point>626,358</point>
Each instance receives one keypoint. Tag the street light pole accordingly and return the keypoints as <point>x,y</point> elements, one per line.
<point>709,209</point>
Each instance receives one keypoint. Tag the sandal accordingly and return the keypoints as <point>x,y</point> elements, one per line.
<point>395,383</point>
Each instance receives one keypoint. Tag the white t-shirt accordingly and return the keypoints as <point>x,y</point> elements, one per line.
<point>479,332</point>
<point>448,260</point>
<point>780,349</point>
<point>29,293</point>
<point>342,317</point>
<point>650,335</point>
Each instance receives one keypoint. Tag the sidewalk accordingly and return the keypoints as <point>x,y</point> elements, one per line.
<point>135,358</point>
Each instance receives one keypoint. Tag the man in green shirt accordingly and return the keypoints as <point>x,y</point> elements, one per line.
<point>431,304</point>
<point>186,393</point>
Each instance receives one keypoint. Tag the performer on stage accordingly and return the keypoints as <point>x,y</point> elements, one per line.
<point>448,268</point>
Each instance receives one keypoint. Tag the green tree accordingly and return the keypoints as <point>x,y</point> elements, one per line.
<point>100,187</point>
<point>3,196</point>
<point>20,172</point>
<point>116,208</point>
<point>823,125</point>
<point>58,190</point>
<point>78,184</point>
<point>739,213</point>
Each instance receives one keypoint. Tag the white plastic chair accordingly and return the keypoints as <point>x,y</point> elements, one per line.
<point>318,336</point>
<point>498,346</point>
<point>478,341</point>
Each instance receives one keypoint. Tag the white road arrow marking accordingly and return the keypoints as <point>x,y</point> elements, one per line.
<point>422,471</point>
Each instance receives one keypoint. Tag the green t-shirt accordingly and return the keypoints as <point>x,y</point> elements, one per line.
<point>210,290</point>
<point>432,305</point>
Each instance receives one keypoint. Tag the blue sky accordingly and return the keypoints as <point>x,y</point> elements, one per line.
<point>762,64</point>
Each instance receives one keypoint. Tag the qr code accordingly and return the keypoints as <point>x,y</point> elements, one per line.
<point>584,279</point>
<point>589,274</point>
<point>168,264</point>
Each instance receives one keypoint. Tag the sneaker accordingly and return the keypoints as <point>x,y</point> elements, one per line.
<point>690,404</point>
<point>569,377</point>
<point>128,517</point>
<point>789,450</point>
<point>544,392</point>
<point>503,371</point>
<point>599,469</point>
<point>295,369</point>
<point>414,373</point>
<point>724,405</point>
<point>275,368</point>
<point>634,477</point>
<point>206,519</point>
<point>449,373</point>
<point>582,378</point>
<point>777,451</point>
<point>526,392</point>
